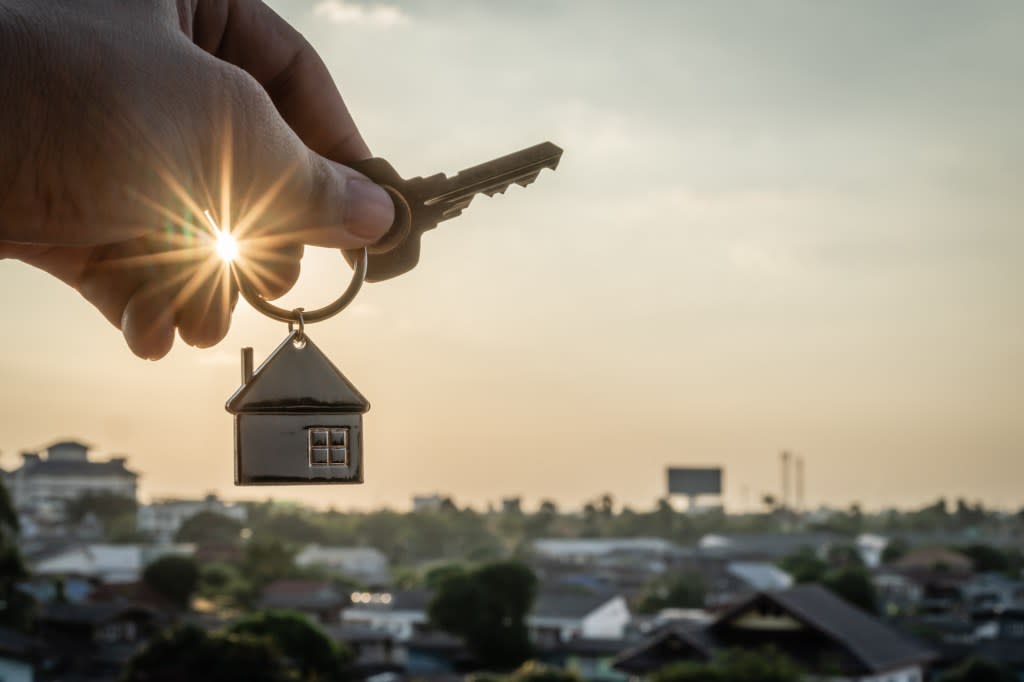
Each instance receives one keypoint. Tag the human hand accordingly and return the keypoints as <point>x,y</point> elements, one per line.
<point>122,121</point>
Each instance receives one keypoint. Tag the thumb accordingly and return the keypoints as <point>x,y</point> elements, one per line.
<point>345,209</point>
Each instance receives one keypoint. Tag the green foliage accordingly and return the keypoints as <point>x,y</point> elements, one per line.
<point>533,671</point>
<point>173,577</point>
<point>210,528</point>
<point>306,647</point>
<point>992,559</point>
<point>804,566</point>
<point>977,670</point>
<point>855,586</point>
<point>224,585</point>
<point>735,665</point>
<point>487,607</point>
<point>683,590</point>
<point>433,578</point>
<point>265,561</point>
<point>895,550</point>
<point>189,653</point>
<point>9,525</point>
<point>111,509</point>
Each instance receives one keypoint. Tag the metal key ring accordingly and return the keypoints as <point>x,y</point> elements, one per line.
<point>300,316</point>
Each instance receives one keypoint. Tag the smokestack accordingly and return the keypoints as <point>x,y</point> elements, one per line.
<point>246,365</point>
<point>799,475</point>
<point>785,479</point>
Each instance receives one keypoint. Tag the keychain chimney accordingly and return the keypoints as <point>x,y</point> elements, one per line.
<point>246,365</point>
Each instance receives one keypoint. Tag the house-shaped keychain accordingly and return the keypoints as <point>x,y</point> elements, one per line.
<point>297,419</point>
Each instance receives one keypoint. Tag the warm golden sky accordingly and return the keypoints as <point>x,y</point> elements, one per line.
<point>776,225</point>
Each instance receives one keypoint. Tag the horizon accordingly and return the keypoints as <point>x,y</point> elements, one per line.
<point>788,227</point>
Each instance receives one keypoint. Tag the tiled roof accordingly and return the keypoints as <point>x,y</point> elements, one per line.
<point>876,645</point>
<point>569,605</point>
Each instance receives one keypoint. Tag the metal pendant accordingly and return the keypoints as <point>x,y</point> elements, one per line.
<point>298,420</point>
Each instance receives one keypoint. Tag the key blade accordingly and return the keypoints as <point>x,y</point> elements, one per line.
<point>494,177</point>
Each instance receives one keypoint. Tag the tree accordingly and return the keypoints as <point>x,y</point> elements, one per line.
<point>224,585</point>
<point>433,578</point>
<point>734,665</point>
<point>18,607</point>
<point>189,653</point>
<point>895,550</point>
<point>683,590</point>
<point>804,566</point>
<point>173,577</point>
<point>855,586</point>
<point>307,647</point>
<point>487,607</point>
<point>977,670</point>
<point>987,559</point>
<point>109,508</point>
<point>210,528</point>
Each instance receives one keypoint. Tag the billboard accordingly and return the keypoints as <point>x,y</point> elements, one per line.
<point>692,481</point>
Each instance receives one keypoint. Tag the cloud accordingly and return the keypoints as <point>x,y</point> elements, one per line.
<point>345,12</point>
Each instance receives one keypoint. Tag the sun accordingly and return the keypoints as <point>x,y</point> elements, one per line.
<point>226,245</point>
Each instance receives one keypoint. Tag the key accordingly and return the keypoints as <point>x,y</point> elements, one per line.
<point>423,203</point>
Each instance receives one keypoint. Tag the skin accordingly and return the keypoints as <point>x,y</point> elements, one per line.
<point>124,119</point>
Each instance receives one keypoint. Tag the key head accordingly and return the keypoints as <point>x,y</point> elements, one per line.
<point>422,203</point>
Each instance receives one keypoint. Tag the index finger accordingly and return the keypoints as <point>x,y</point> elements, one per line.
<point>253,37</point>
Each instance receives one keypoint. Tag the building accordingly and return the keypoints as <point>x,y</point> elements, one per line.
<point>319,600</point>
<point>365,564</point>
<point>103,563</point>
<point>19,655</point>
<point>401,613</point>
<point>162,520</point>
<point>41,486</point>
<point>94,641</point>
<point>825,636</point>
<point>559,617</point>
<point>582,551</point>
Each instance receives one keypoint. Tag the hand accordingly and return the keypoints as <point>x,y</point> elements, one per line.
<point>122,121</point>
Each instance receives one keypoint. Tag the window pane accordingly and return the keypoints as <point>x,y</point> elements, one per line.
<point>318,437</point>
<point>339,438</point>
<point>339,455</point>
<point>318,455</point>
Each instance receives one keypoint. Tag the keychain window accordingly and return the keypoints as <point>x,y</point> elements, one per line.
<point>328,446</point>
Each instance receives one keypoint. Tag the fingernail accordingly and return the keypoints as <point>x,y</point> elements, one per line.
<point>369,211</point>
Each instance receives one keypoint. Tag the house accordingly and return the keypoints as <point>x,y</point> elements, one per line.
<point>402,613</point>
<point>19,655</point>
<point>41,486</point>
<point>93,641</point>
<point>373,650</point>
<point>104,563</point>
<point>365,564</point>
<point>319,600</point>
<point>763,546</point>
<point>583,551</point>
<point>163,519</point>
<point>297,419</point>
<point>562,616</point>
<point>824,635</point>
<point>733,581</point>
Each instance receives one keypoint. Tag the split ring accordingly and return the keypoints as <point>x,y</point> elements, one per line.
<point>300,316</point>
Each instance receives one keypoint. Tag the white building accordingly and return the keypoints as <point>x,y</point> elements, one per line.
<point>401,613</point>
<point>565,616</point>
<point>106,563</point>
<point>43,485</point>
<point>365,564</point>
<point>587,550</point>
<point>164,518</point>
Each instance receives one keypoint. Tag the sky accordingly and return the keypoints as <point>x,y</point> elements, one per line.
<point>790,225</point>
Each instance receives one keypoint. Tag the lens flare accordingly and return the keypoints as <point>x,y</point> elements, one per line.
<point>226,245</point>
